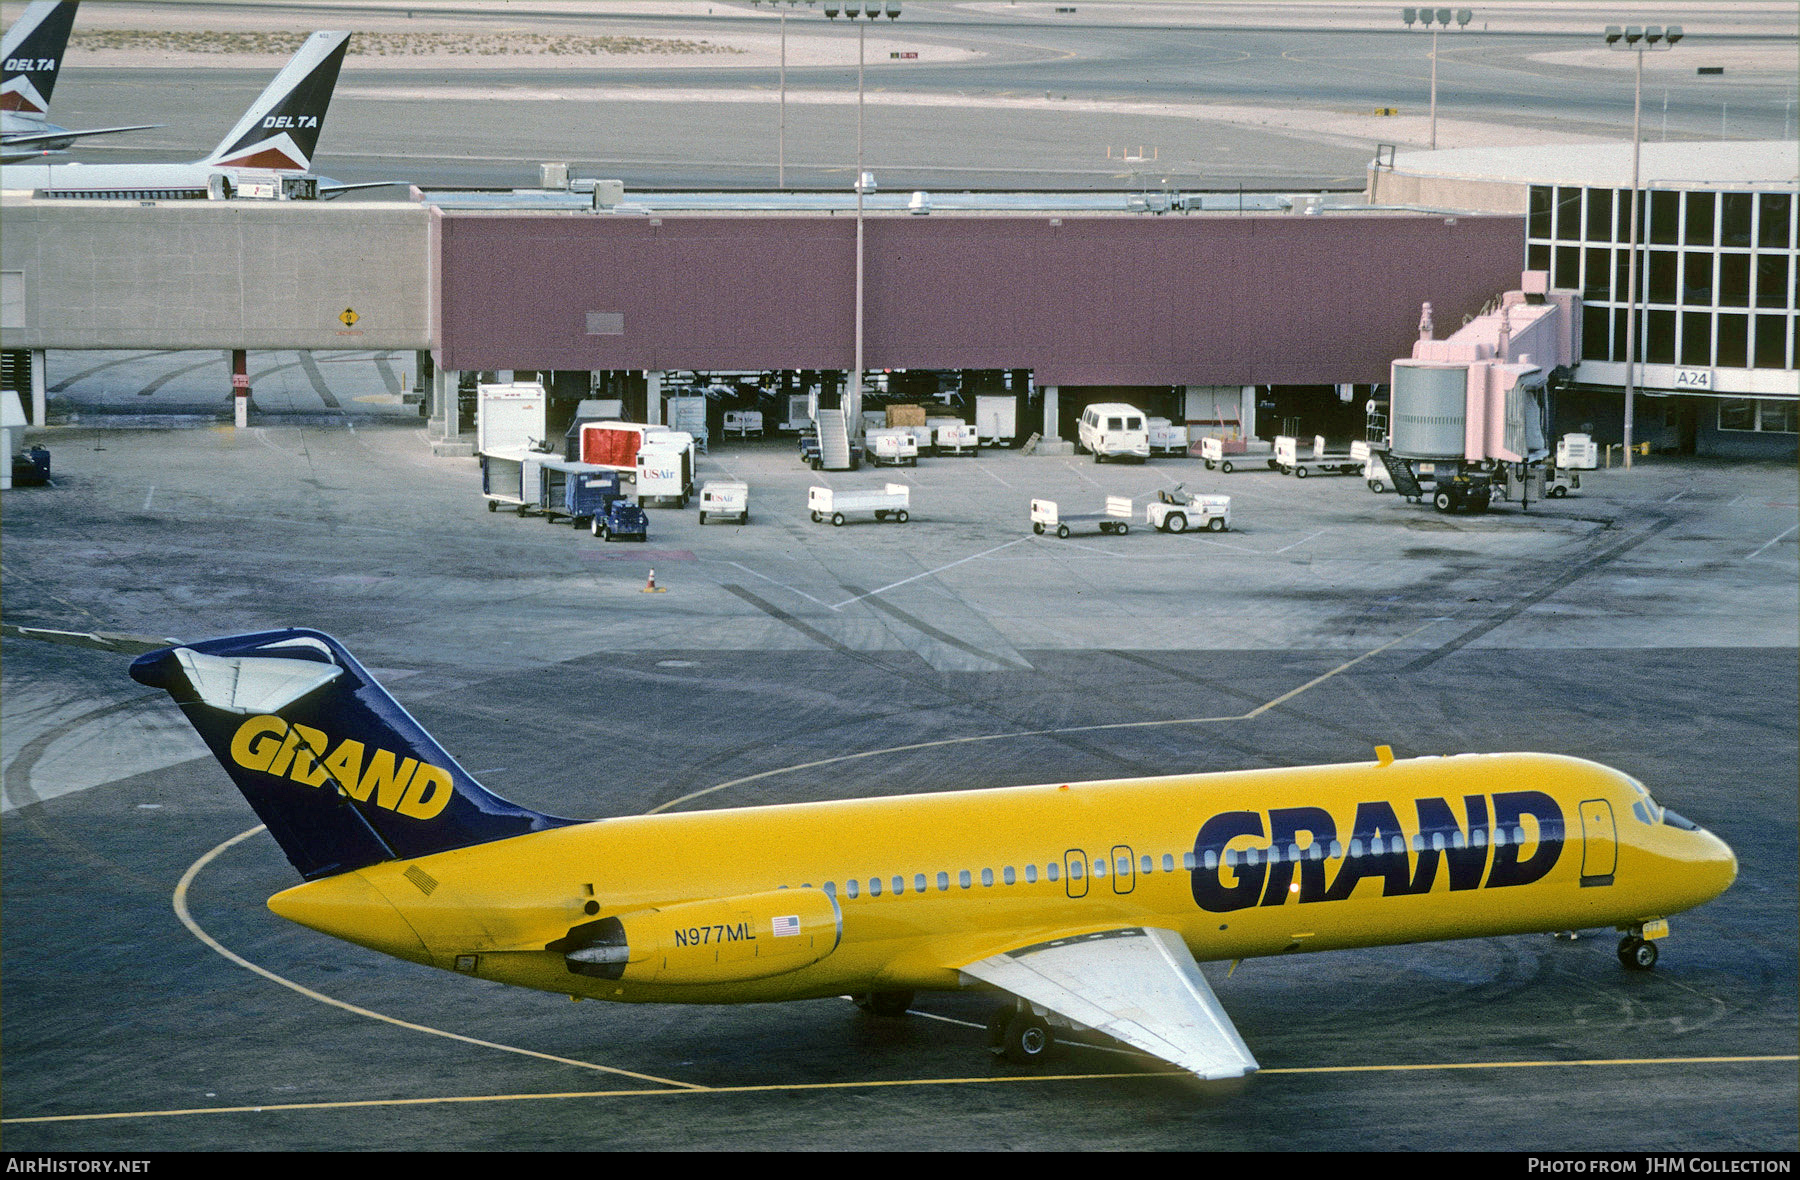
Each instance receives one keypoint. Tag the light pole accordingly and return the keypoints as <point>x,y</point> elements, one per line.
<point>870,9</point>
<point>1634,39</point>
<point>1442,16</point>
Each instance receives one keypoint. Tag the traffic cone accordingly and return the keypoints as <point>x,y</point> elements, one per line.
<point>650,586</point>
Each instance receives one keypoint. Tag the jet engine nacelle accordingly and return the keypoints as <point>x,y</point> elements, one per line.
<point>725,940</point>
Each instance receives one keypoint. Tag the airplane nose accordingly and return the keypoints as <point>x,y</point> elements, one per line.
<point>1722,863</point>
<point>1712,867</point>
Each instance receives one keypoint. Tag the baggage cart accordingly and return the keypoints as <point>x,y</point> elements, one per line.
<point>895,500</point>
<point>1290,461</point>
<point>1214,454</point>
<point>1114,518</point>
<point>503,479</point>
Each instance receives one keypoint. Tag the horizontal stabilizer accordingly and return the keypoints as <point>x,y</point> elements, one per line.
<point>252,684</point>
<point>1137,985</point>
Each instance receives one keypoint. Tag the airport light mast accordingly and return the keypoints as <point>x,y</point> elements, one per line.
<point>871,9</point>
<point>1442,16</point>
<point>1636,39</point>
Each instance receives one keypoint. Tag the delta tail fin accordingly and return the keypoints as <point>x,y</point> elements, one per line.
<point>343,776</point>
<point>33,52</point>
<point>281,128</point>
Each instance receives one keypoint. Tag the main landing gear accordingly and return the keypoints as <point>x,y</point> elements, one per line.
<point>885,1003</point>
<point>1020,1035</point>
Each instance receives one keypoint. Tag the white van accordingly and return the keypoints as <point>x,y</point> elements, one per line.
<point>1114,430</point>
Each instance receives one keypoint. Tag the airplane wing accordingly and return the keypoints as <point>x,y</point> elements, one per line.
<point>64,137</point>
<point>1138,985</point>
<point>331,188</point>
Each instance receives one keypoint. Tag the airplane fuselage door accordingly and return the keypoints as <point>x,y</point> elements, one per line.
<point>1599,843</point>
<point>1124,876</point>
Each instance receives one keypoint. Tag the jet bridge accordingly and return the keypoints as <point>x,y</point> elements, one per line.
<point>1475,408</point>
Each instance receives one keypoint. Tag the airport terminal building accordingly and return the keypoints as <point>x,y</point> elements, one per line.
<point>1280,316</point>
<point>1715,288</point>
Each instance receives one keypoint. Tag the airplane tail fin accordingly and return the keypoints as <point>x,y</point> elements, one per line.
<point>281,128</point>
<point>33,52</point>
<point>343,776</point>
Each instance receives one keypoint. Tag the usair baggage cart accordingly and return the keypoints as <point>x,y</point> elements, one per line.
<point>725,497</point>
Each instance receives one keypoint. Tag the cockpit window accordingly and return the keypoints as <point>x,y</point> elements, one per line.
<point>1645,808</point>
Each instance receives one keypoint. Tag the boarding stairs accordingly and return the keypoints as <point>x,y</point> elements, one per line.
<point>834,439</point>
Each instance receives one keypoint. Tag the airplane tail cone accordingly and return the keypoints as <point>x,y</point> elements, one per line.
<point>343,776</point>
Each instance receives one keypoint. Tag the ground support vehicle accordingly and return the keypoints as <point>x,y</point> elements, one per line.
<point>1168,439</point>
<point>895,500</point>
<point>1577,452</point>
<point>893,447</point>
<point>1114,430</point>
<point>665,468</point>
<point>1177,511</point>
<point>1289,460</point>
<point>1536,481</point>
<point>809,453</point>
<point>1214,453</point>
<point>1114,518</point>
<point>957,438</point>
<point>509,416</point>
<point>620,520</point>
<point>723,497</point>
<point>744,423</point>
<point>997,419</point>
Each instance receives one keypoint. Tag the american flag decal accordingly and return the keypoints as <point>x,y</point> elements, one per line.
<point>787,926</point>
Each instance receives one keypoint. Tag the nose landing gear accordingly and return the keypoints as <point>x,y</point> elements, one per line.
<point>1637,950</point>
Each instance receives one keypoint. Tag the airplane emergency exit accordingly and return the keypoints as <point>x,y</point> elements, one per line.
<point>1087,904</point>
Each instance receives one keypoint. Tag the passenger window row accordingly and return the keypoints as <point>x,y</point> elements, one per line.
<point>1379,846</point>
<point>1292,853</point>
<point>899,884</point>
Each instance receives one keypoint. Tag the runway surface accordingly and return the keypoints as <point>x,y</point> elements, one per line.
<point>1114,96</point>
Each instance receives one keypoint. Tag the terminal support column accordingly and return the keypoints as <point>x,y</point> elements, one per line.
<point>240,386</point>
<point>653,383</point>
<point>38,397</point>
<point>443,403</point>
<point>1052,412</point>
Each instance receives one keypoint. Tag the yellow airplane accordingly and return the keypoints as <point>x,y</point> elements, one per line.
<point>1086,903</point>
